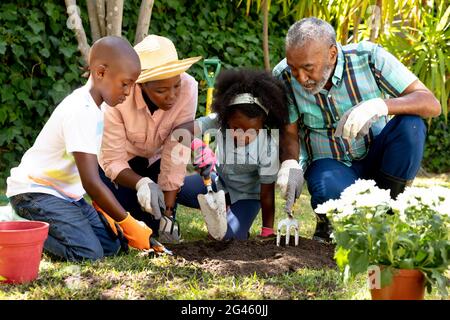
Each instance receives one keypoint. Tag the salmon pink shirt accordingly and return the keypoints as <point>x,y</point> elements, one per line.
<point>130,130</point>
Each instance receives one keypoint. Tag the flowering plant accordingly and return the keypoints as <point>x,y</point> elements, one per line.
<point>412,232</point>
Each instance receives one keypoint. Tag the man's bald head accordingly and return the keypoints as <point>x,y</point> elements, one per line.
<point>114,67</point>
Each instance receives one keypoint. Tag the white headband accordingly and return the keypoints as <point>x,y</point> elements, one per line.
<point>248,98</point>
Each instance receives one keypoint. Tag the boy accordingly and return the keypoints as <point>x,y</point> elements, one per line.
<point>62,166</point>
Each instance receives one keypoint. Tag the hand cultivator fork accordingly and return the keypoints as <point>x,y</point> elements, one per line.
<point>288,223</point>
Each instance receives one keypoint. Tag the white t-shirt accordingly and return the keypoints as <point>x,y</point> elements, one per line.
<point>76,125</point>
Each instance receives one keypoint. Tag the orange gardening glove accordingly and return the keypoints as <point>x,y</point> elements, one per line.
<point>137,232</point>
<point>111,221</point>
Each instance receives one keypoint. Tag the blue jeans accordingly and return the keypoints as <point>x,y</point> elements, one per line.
<point>396,153</point>
<point>240,216</point>
<point>128,197</point>
<point>76,232</point>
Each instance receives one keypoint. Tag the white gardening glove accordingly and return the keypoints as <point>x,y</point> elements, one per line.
<point>290,181</point>
<point>356,122</point>
<point>150,197</point>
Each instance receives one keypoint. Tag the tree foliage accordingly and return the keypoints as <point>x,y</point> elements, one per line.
<point>40,62</point>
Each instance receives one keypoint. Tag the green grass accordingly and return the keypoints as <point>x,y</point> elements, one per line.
<point>135,277</point>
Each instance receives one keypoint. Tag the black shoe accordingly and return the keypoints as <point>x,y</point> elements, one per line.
<point>393,184</point>
<point>323,229</point>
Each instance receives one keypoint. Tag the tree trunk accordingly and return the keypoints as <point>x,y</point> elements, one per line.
<point>266,35</point>
<point>114,9</point>
<point>101,14</point>
<point>93,20</point>
<point>74,23</point>
<point>145,14</point>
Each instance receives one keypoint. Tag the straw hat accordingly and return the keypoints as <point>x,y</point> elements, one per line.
<point>159,59</point>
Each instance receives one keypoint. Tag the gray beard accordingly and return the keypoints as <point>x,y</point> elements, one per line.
<point>321,84</point>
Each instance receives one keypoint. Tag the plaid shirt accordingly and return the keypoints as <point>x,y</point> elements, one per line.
<point>363,71</point>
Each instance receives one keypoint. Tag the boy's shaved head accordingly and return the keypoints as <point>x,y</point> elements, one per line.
<point>114,67</point>
<point>110,50</point>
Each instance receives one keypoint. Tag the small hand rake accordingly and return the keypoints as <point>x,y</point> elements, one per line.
<point>288,223</point>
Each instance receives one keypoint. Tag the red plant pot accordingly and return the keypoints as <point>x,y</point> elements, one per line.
<point>406,285</point>
<point>21,244</point>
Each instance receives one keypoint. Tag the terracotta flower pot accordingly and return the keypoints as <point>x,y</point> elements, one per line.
<point>405,285</point>
<point>21,245</point>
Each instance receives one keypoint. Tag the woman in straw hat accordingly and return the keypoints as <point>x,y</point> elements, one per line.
<point>135,158</point>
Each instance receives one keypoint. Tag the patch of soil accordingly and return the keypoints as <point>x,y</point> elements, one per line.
<point>256,255</point>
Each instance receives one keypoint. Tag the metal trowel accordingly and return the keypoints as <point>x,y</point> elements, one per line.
<point>213,207</point>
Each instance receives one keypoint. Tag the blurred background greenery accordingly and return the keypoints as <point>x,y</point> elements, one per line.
<point>40,62</point>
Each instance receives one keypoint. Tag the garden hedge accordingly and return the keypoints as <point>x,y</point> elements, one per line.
<point>40,63</point>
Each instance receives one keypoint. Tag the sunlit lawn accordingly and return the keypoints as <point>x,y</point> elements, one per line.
<point>134,277</point>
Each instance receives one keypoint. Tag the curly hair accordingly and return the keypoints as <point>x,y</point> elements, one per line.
<point>262,85</point>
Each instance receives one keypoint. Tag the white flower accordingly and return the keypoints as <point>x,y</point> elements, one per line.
<point>339,208</point>
<point>376,198</point>
<point>441,192</point>
<point>437,198</point>
<point>424,196</point>
<point>360,186</point>
<point>400,206</point>
<point>329,206</point>
<point>365,193</point>
<point>444,207</point>
<point>344,211</point>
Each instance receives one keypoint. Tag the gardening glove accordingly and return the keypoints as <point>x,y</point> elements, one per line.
<point>137,232</point>
<point>290,181</point>
<point>150,197</point>
<point>356,122</point>
<point>111,222</point>
<point>266,232</point>
<point>204,158</point>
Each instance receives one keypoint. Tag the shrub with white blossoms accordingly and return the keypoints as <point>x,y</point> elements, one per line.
<point>412,232</point>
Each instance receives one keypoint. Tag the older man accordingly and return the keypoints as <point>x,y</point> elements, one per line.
<point>340,98</point>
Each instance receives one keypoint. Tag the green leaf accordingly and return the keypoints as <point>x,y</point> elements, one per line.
<point>341,257</point>
<point>359,261</point>
<point>7,94</point>
<point>441,282</point>
<point>443,21</point>
<point>68,51</point>
<point>3,115</point>
<point>406,264</point>
<point>22,96</point>
<point>387,275</point>
<point>45,52</point>
<point>51,10</point>
<point>443,75</point>
<point>36,26</point>
<point>420,256</point>
<point>2,47</point>
<point>18,51</point>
